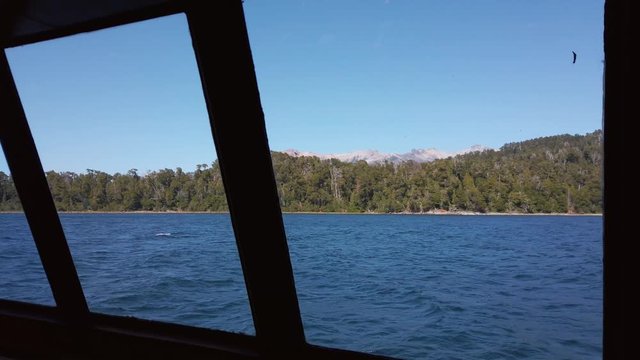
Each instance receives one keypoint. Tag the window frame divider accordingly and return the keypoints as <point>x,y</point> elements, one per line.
<point>38,205</point>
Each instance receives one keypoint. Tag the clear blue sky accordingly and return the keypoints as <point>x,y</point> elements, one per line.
<point>334,76</point>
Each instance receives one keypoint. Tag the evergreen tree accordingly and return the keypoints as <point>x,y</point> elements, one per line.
<point>556,174</point>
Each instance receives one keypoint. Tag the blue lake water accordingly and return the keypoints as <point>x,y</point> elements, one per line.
<point>438,287</point>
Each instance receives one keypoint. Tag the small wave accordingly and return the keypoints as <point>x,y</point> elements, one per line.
<point>163,234</point>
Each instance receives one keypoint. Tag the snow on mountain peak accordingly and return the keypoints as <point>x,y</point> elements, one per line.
<point>375,157</point>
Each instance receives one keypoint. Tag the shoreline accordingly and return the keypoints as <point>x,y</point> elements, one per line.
<point>427,213</point>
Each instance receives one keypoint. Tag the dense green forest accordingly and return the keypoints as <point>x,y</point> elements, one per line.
<point>557,174</point>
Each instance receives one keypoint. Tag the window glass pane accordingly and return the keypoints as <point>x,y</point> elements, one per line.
<point>122,129</point>
<point>393,114</point>
<point>23,277</point>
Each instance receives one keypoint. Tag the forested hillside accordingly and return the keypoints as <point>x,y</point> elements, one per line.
<point>557,174</point>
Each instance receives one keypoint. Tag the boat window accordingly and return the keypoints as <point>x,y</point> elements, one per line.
<point>23,277</point>
<point>413,141</point>
<point>121,126</point>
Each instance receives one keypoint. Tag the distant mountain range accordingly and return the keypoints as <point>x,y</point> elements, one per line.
<point>553,174</point>
<point>376,157</point>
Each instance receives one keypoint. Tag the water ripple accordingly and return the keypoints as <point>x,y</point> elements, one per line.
<point>406,286</point>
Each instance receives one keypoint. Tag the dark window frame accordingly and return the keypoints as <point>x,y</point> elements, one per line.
<point>70,329</point>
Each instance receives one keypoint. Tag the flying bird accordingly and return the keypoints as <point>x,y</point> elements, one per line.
<point>574,56</point>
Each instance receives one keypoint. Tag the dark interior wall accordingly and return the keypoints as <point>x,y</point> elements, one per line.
<point>619,111</point>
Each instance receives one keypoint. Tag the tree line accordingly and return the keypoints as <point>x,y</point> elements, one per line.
<point>556,174</point>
